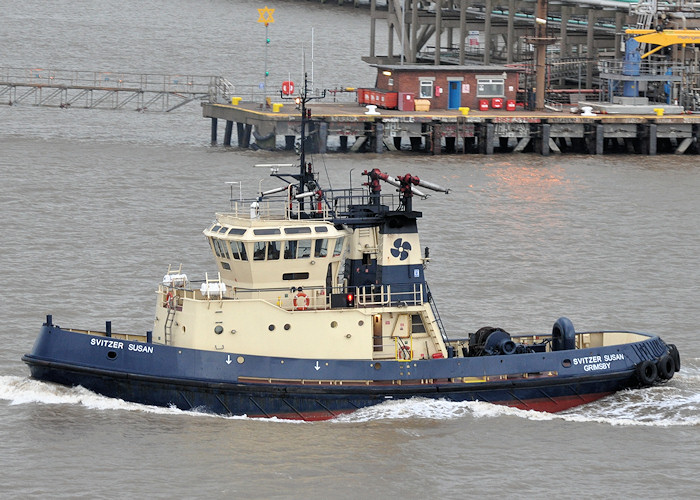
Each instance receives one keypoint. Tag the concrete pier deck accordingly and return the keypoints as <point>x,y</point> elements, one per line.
<point>451,131</point>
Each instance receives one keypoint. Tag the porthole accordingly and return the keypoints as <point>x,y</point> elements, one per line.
<point>334,324</point>
<point>271,328</point>
<point>240,360</point>
<point>566,363</point>
<point>112,355</point>
<point>219,329</point>
<point>377,366</point>
<point>360,323</point>
<point>287,326</point>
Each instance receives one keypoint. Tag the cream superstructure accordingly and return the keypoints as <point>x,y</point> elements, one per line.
<point>281,292</point>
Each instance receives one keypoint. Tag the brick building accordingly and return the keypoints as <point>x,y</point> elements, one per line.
<point>448,87</point>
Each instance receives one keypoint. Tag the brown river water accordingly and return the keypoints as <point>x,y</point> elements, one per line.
<point>94,205</point>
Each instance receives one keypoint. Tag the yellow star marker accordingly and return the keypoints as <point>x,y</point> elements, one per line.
<point>266,15</point>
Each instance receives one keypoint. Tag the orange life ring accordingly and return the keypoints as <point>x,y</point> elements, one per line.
<point>303,303</point>
<point>168,300</point>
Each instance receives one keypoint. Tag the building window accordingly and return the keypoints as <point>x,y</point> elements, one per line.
<point>426,89</point>
<point>490,87</point>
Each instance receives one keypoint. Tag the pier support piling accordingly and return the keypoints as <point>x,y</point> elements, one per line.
<point>545,139</point>
<point>244,132</point>
<point>599,139</point>
<point>487,136</point>
<point>652,139</point>
<point>228,133</point>
<point>214,125</point>
<point>379,138</point>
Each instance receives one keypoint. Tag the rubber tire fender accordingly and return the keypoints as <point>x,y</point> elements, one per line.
<point>646,372</point>
<point>666,367</point>
<point>673,352</point>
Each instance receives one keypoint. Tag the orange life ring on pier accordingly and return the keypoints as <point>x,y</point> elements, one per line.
<point>301,301</point>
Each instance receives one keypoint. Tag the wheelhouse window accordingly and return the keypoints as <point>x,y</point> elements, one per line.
<point>220,248</point>
<point>259,250</point>
<point>321,248</point>
<point>297,230</point>
<point>238,250</point>
<point>338,246</point>
<point>426,88</point>
<point>304,249</point>
<point>290,249</point>
<point>490,87</point>
<point>273,250</point>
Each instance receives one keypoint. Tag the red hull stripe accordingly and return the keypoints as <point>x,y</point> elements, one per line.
<point>549,405</point>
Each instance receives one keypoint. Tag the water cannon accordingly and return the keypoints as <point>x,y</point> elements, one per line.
<point>376,175</point>
<point>414,180</point>
<point>273,191</point>
<point>307,194</point>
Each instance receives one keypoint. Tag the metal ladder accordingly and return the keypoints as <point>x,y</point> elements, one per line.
<point>646,15</point>
<point>170,318</point>
<point>436,313</point>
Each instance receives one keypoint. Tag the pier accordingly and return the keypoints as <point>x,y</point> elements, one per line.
<point>452,131</point>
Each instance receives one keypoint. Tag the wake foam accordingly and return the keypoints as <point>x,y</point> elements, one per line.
<point>676,403</point>
<point>20,391</point>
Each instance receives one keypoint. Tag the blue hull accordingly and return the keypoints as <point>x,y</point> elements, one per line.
<point>229,383</point>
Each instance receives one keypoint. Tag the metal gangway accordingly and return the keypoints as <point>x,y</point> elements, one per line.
<point>109,89</point>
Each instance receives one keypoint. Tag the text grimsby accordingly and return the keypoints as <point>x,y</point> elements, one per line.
<point>114,344</point>
<point>591,363</point>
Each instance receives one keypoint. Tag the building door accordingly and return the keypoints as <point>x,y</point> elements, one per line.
<point>454,98</point>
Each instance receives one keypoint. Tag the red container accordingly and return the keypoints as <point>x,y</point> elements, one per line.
<point>510,105</point>
<point>483,104</point>
<point>390,100</point>
<point>497,103</point>
<point>362,96</point>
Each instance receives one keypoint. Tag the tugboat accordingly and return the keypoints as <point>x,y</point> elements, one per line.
<point>320,306</point>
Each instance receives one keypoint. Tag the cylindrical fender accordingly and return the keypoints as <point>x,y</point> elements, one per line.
<point>646,372</point>
<point>666,367</point>
<point>563,335</point>
<point>673,352</point>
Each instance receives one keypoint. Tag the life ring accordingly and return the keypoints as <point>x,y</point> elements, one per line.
<point>168,300</point>
<point>666,367</point>
<point>301,301</point>
<point>646,372</point>
<point>673,352</point>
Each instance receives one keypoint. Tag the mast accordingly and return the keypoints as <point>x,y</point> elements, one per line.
<point>305,178</point>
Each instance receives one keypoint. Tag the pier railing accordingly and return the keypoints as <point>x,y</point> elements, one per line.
<point>253,93</point>
<point>109,89</point>
<point>140,91</point>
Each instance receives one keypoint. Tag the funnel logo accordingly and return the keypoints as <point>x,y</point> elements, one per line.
<point>401,249</point>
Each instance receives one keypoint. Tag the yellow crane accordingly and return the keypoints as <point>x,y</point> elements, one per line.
<point>664,38</point>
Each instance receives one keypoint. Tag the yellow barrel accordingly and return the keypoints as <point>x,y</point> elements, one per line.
<point>236,100</point>
<point>464,110</point>
<point>276,107</point>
